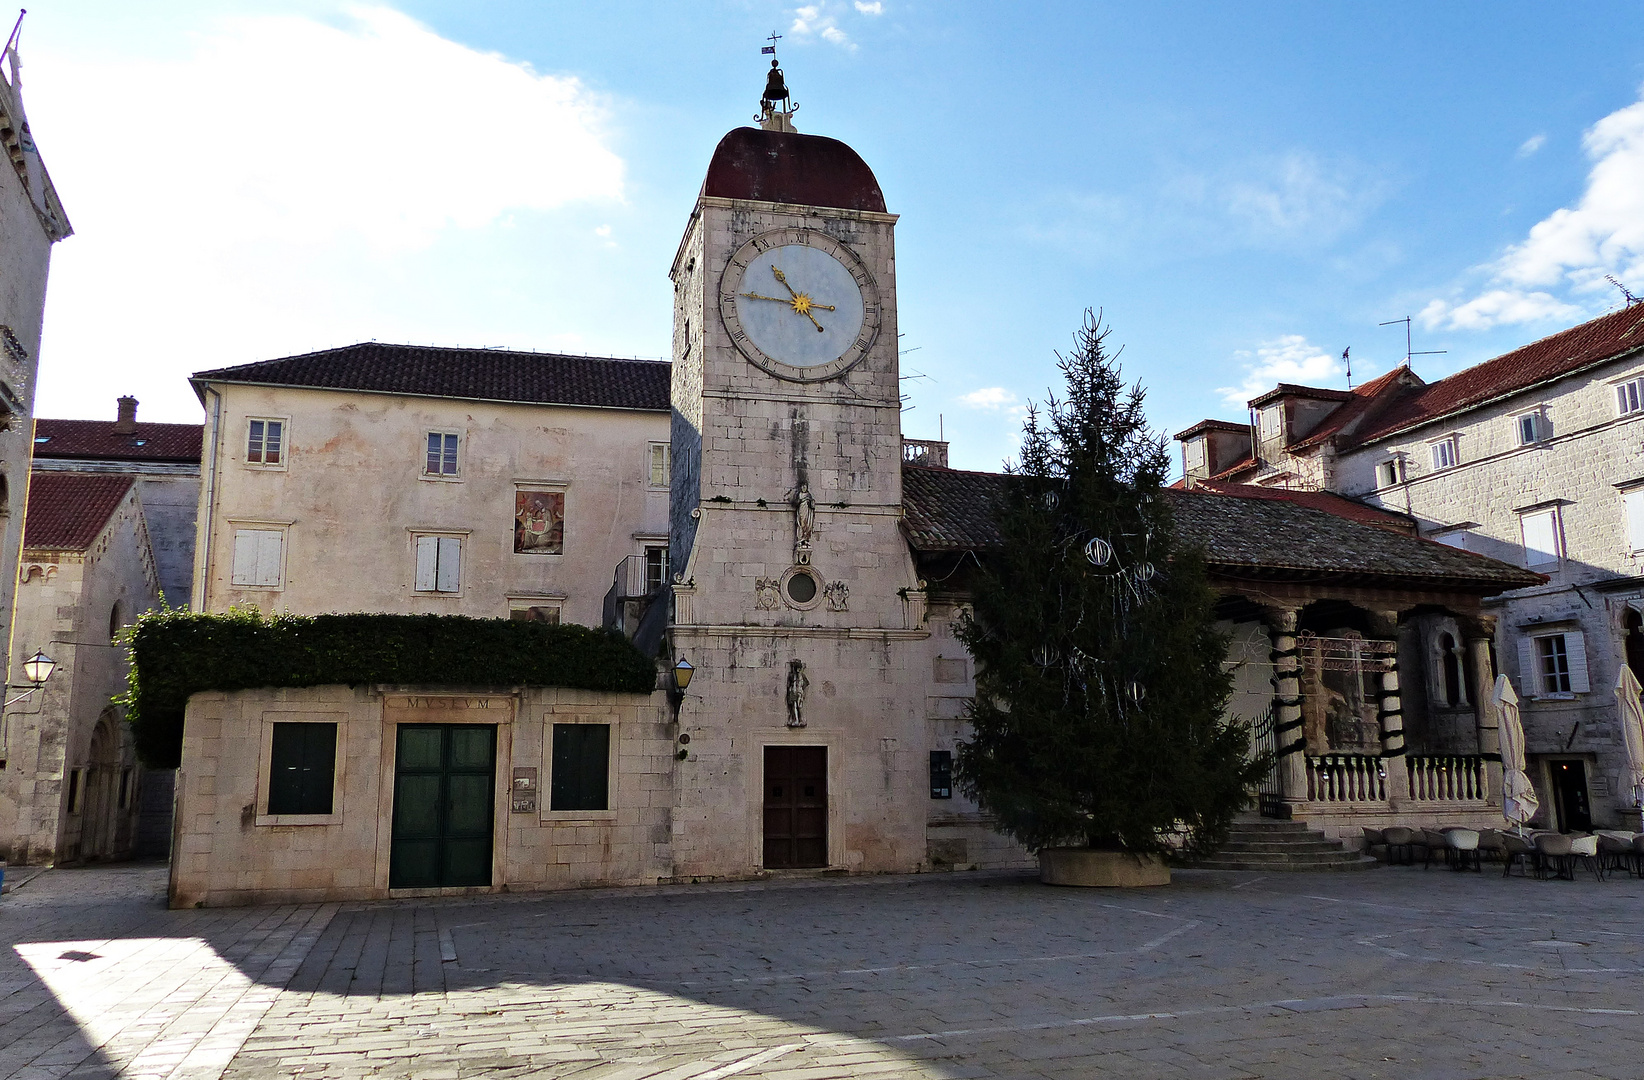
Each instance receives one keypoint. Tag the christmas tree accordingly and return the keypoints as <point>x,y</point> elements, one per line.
<point>1098,718</point>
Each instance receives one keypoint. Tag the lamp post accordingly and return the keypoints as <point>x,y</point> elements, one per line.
<point>38,669</point>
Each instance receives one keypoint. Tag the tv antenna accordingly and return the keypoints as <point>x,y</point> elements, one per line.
<point>1408,352</point>
<point>1631,299</point>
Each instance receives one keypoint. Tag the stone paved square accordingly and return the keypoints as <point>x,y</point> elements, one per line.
<point>1401,972</point>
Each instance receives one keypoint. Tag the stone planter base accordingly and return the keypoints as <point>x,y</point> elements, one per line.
<point>1101,869</point>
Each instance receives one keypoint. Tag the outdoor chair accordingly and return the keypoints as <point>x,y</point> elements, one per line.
<point>1461,849</point>
<point>1517,851</point>
<point>1616,852</point>
<point>1491,845</point>
<point>1560,854</point>
<point>1376,838</point>
<point>1435,843</point>
<point>1401,844</point>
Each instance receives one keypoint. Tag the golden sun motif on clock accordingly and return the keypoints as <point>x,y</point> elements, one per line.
<point>799,304</point>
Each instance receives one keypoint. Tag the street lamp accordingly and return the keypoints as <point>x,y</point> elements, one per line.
<point>38,668</point>
<point>682,673</point>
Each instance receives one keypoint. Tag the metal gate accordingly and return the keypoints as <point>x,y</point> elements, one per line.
<point>1270,791</point>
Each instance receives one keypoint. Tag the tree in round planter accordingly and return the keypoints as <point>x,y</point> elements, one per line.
<point>1098,719</point>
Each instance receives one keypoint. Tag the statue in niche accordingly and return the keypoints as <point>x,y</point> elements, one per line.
<point>798,683</point>
<point>804,520</point>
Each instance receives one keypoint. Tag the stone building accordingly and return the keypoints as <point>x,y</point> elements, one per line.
<point>31,221</point>
<point>70,785</point>
<point>1533,458</point>
<point>458,481</point>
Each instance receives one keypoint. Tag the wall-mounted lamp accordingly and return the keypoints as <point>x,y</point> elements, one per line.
<point>682,673</point>
<point>38,669</point>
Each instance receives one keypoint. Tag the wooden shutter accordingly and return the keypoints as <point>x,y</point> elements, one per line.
<point>1575,647</point>
<point>428,561</point>
<point>269,544</point>
<point>580,778</point>
<point>1529,679</point>
<point>449,573</point>
<point>245,557</point>
<point>1633,508</point>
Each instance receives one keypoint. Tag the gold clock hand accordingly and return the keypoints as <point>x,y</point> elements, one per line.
<point>783,278</point>
<point>801,302</point>
<point>778,299</point>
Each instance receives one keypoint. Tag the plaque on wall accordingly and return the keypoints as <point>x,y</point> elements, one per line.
<point>524,794</point>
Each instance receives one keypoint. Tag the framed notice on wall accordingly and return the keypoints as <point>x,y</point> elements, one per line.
<point>524,793</point>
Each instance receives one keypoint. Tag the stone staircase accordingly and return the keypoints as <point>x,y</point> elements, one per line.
<point>1280,847</point>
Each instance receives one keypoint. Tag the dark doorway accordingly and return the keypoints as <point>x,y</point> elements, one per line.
<point>1634,624</point>
<point>1570,796</point>
<point>444,786</point>
<point>796,807</point>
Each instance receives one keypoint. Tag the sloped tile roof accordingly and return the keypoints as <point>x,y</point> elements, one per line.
<point>947,510</point>
<point>471,374</point>
<point>788,167</point>
<point>1563,353</point>
<point>97,439</point>
<point>1327,501</point>
<point>66,511</point>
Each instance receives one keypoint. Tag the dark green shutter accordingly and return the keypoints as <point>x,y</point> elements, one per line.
<point>582,754</point>
<point>303,764</point>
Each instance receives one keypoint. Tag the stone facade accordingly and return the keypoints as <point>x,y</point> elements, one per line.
<point>1578,469</point>
<point>350,497</point>
<point>31,221</point>
<point>231,850</point>
<point>71,788</point>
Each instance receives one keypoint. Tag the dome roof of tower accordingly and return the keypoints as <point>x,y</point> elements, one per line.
<point>786,167</point>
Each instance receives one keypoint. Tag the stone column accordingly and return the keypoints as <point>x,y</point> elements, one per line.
<point>1489,721</point>
<point>1287,713</point>
<point>1390,712</point>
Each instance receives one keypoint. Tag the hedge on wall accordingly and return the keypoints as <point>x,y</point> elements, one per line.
<point>178,653</point>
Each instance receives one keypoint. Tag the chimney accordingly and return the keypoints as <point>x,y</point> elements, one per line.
<point>125,422</point>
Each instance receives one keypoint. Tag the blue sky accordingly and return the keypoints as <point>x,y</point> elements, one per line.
<point>1245,189</point>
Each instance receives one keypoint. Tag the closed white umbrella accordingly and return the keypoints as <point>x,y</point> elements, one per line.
<point>1631,714</point>
<point>1519,803</point>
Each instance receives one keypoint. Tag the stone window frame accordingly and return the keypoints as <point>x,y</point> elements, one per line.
<point>285,444</point>
<point>651,463</point>
<point>419,533</point>
<point>1629,395</point>
<point>265,763</point>
<point>239,525</point>
<point>1555,511</point>
<point>1577,673</point>
<point>1391,471</point>
<point>546,787</point>
<point>521,603</point>
<point>1445,452</point>
<point>1537,420</point>
<point>462,452</point>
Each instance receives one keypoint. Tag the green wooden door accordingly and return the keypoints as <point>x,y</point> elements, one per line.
<point>444,777</point>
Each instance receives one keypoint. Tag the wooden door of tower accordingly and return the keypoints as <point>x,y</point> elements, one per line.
<point>444,811</point>
<point>796,807</point>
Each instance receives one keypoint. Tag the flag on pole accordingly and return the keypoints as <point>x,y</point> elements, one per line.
<point>769,50</point>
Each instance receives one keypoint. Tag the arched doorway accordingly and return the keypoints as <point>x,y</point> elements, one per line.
<point>97,823</point>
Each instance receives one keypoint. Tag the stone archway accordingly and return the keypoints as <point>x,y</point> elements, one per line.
<point>97,828</point>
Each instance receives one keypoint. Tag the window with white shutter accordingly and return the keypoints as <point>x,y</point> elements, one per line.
<point>1541,537</point>
<point>259,558</point>
<point>1632,508</point>
<point>439,564</point>
<point>1553,665</point>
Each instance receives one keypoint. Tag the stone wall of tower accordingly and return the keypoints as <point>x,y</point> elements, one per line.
<point>744,440</point>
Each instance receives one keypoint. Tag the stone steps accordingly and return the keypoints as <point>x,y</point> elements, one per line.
<point>1279,847</point>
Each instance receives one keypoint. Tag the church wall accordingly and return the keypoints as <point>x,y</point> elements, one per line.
<point>351,500</point>
<point>64,607</point>
<point>230,851</point>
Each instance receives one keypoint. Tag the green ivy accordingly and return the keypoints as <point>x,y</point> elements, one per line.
<point>179,653</point>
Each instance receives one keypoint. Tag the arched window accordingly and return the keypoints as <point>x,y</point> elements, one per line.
<point>114,621</point>
<point>1450,665</point>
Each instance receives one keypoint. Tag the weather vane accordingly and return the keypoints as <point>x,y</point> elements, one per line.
<point>770,50</point>
<point>775,109</point>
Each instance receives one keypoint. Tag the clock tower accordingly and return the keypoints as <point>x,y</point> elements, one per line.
<point>795,596</point>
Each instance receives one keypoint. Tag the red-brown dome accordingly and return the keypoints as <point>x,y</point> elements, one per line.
<point>786,167</point>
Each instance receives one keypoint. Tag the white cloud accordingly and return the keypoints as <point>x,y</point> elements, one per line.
<point>1569,251</point>
<point>817,19</point>
<point>289,185</point>
<point>875,8</point>
<point>991,398</point>
<point>1531,145</point>
<point>1291,358</point>
<point>1297,196</point>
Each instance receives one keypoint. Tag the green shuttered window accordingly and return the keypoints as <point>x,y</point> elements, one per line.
<point>582,755</point>
<point>303,763</point>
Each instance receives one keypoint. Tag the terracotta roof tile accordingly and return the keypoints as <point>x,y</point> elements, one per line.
<point>1567,351</point>
<point>947,510</point>
<point>66,511</point>
<point>470,374</point>
<point>97,439</point>
<point>1327,501</point>
<point>787,167</point>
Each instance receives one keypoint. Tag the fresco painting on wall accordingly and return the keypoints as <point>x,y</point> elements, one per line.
<point>539,522</point>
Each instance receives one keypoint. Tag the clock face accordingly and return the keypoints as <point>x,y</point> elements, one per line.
<point>799,304</point>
